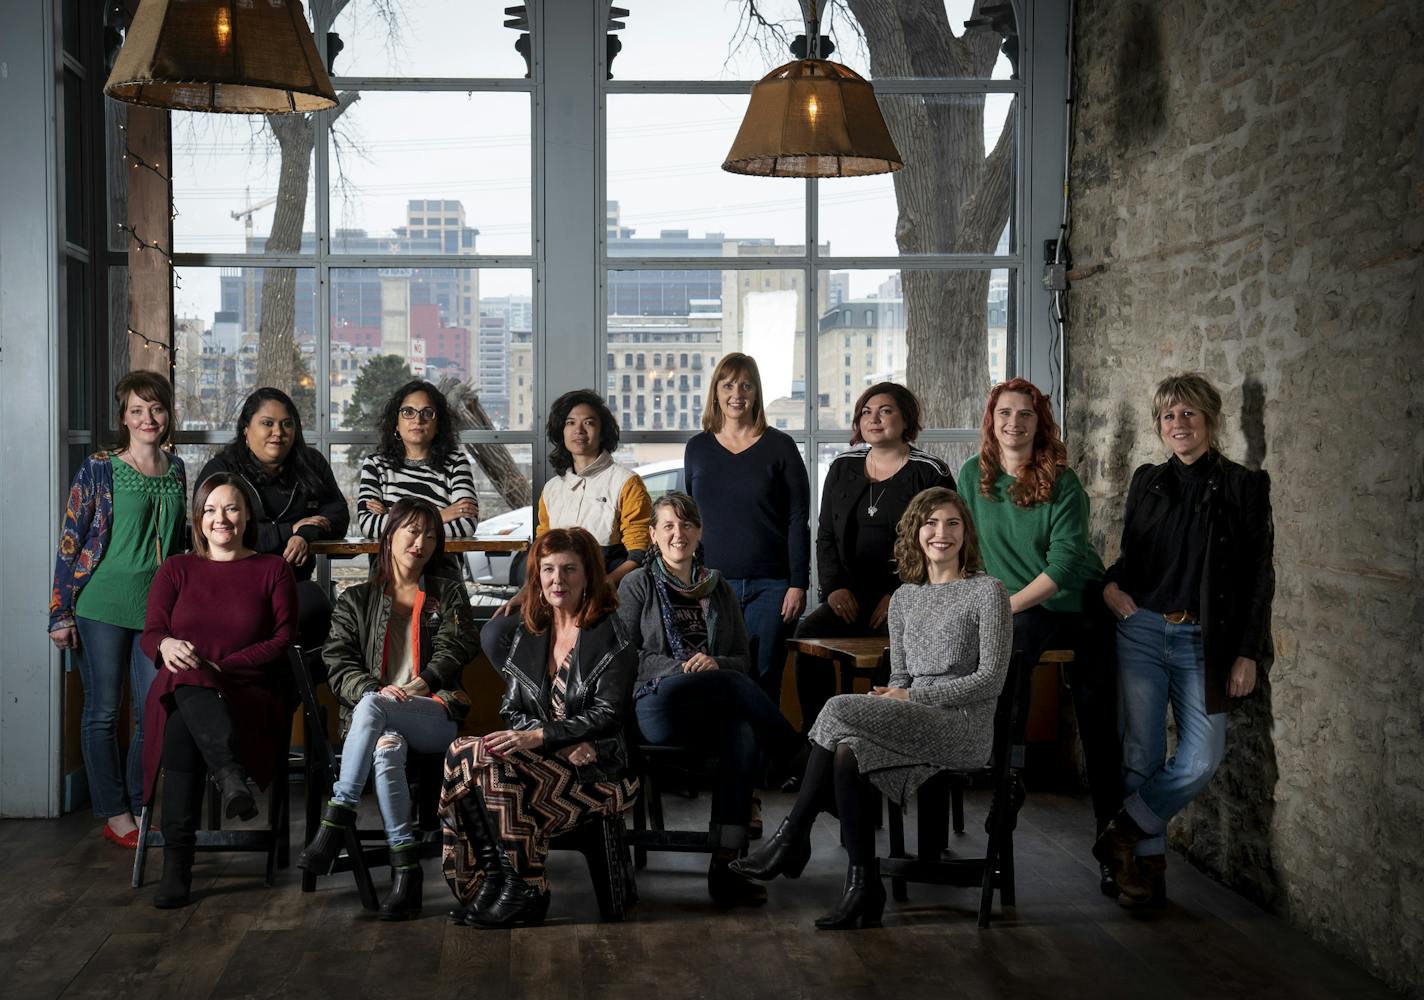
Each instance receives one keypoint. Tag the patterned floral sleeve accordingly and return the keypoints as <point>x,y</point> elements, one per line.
<point>74,561</point>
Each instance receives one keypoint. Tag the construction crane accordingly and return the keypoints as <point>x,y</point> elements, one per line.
<point>245,214</point>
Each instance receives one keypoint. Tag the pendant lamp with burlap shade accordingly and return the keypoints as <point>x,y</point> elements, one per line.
<point>238,56</point>
<point>813,118</point>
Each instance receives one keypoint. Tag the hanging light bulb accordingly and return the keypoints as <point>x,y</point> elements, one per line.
<point>813,118</point>
<point>221,55</point>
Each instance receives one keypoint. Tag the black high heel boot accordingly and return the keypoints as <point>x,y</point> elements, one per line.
<point>863,900</point>
<point>515,900</point>
<point>786,853</point>
<point>470,814</point>
<point>175,887</point>
<point>407,881</point>
<point>182,794</point>
<point>319,856</point>
<point>237,799</point>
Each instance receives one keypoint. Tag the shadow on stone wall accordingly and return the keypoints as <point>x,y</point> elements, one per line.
<point>1228,828</point>
<point>1140,114</point>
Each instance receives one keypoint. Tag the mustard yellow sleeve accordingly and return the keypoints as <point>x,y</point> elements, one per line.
<point>543,524</point>
<point>635,516</point>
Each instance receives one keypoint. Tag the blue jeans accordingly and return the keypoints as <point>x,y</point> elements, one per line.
<point>105,652</point>
<point>382,729</point>
<point>726,714</point>
<point>761,599</point>
<point>1159,663</point>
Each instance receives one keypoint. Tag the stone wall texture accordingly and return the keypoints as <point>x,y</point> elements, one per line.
<point>1248,201</point>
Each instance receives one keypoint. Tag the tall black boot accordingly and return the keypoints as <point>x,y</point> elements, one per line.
<point>182,796</point>
<point>319,856</point>
<point>515,900</point>
<point>470,815</point>
<point>862,901</point>
<point>209,721</point>
<point>407,879</point>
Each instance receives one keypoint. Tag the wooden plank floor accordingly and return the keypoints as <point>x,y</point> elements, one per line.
<point>72,927</point>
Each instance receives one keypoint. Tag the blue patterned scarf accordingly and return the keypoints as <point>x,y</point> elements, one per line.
<point>704,582</point>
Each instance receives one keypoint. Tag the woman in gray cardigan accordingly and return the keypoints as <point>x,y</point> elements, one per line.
<point>950,639</point>
<point>694,687</point>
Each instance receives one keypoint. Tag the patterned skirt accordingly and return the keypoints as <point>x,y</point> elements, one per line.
<point>531,796</point>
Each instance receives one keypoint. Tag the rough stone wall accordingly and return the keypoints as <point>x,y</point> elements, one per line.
<point>1248,201</point>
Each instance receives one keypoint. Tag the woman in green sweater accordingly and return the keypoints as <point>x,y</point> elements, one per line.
<point>1032,517</point>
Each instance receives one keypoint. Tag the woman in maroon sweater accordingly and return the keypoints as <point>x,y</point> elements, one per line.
<point>219,621</point>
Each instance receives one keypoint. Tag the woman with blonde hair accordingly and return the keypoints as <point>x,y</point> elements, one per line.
<point>750,483</point>
<point>950,637</point>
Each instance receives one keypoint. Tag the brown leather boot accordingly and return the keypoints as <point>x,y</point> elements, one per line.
<point>1114,849</point>
<point>1152,872</point>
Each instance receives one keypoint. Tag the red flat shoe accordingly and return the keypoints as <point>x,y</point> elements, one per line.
<point>128,841</point>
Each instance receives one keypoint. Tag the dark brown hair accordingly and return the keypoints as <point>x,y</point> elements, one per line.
<point>1033,483</point>
<point>151,387</point>
<point>200,499</point>
<point>909,558</point>
<point>403,511</point>
<point>905,402</point>
<point>599,599</point>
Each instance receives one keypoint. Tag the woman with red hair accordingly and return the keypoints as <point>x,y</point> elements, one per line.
<point>1032,516</point>
<point>569,669</point>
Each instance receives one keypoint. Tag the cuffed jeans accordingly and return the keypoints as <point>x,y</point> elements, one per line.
<point>1160,663</point>
<point>382,731</point>
<point>724,713</point>
<point>761,599</point>
<point>105,652</point>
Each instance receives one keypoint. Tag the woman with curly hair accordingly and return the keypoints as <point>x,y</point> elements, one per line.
<point>950,635</point>
<point>1032,516</point>
<point>419,456</point>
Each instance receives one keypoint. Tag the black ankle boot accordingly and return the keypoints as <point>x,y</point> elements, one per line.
<point>727,888</point>
<point>786,853</point>
<point>479,828</point>
<point>518,902</point>
<point>237,798</point>
<point>407,880</point>
<point>863,900</point>
<point>177,881</point>
<point>318,856</point>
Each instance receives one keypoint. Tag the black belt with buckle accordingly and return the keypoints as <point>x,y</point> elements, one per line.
<point>1179,618</point>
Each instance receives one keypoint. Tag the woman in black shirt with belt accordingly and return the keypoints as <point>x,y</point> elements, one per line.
<point>866,491</point>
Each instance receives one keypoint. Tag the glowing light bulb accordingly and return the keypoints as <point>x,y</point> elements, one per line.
<point>223,28</point>
<point>812,108</point>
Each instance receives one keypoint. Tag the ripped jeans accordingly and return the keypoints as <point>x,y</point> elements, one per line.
<point>382,730</point>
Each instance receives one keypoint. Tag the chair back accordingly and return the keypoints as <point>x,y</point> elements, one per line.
<point>317,741</point>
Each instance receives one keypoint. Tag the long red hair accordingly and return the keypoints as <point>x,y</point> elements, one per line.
<point>599,599</point>
<point>1034,482</point>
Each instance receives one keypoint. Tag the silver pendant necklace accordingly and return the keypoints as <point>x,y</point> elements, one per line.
<point>872,508</point>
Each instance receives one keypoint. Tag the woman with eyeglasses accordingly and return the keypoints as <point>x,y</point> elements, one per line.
<point>419,456</point>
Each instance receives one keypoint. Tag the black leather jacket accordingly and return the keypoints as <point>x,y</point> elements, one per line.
<point>1238,578</point>
<point>596,699</point>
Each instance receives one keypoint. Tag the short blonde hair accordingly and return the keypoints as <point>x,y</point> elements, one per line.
<point>1193,389</point>
<point>730,366</point>
<point>909,559</point>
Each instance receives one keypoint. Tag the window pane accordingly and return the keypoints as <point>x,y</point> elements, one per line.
<point>917,39</point>
<point>955,193</point>
<point>432,173</point>
<point>454,326</point>
<point>78,352</point>
<point>229,185</point>
<point>76,162</point>
<point>237,328</point>
<point>667,330</point>
<point>655,45</point>
<point>945,334</point>
<point>427,38</point>
<point>669,197</point>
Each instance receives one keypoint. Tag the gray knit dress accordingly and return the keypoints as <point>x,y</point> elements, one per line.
<point>950,645</point>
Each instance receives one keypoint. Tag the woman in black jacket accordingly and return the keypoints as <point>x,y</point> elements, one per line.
<point>1191,590</point>
<point>298,499</point>
<point>397,648</point>
<point>867,490</point>
<point>569,670</point>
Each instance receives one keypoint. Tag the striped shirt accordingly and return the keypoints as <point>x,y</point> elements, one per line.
<point>382,480</point>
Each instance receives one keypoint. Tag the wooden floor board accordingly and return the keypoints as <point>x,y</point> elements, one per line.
<point>74,929</point>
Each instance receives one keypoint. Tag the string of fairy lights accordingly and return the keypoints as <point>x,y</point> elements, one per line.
<point>137,162</point>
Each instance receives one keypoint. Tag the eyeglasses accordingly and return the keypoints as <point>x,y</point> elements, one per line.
<point>426,413</point>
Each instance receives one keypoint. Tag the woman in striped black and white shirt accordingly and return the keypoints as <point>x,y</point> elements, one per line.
<point>419,456</point>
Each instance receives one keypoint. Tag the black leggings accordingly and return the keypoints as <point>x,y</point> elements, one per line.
<point>833,783</point>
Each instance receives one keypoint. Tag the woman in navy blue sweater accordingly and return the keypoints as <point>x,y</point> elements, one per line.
<point>750,483</point>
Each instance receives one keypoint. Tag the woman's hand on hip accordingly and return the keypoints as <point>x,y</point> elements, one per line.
<point>65,637</point>
<point>1119,603</point>
<point>1243,677</point>
<point>793,604</point>
<point>899,694</point>
<point>698,662</point>
<point>580,754</point>
<point>178,654</point>
<point>843,603</point>
<point>507,741</point>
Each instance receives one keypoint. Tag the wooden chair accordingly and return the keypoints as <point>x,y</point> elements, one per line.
<point>932,864</point>
<point>323,764</point>
<point>603,844</point>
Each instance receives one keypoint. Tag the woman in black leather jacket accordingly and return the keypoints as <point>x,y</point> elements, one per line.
<point>569,671</point>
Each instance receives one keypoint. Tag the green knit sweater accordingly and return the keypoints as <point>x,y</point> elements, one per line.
<point>1018,543</point>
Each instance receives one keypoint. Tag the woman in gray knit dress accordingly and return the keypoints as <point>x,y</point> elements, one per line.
<point>950,638</point>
